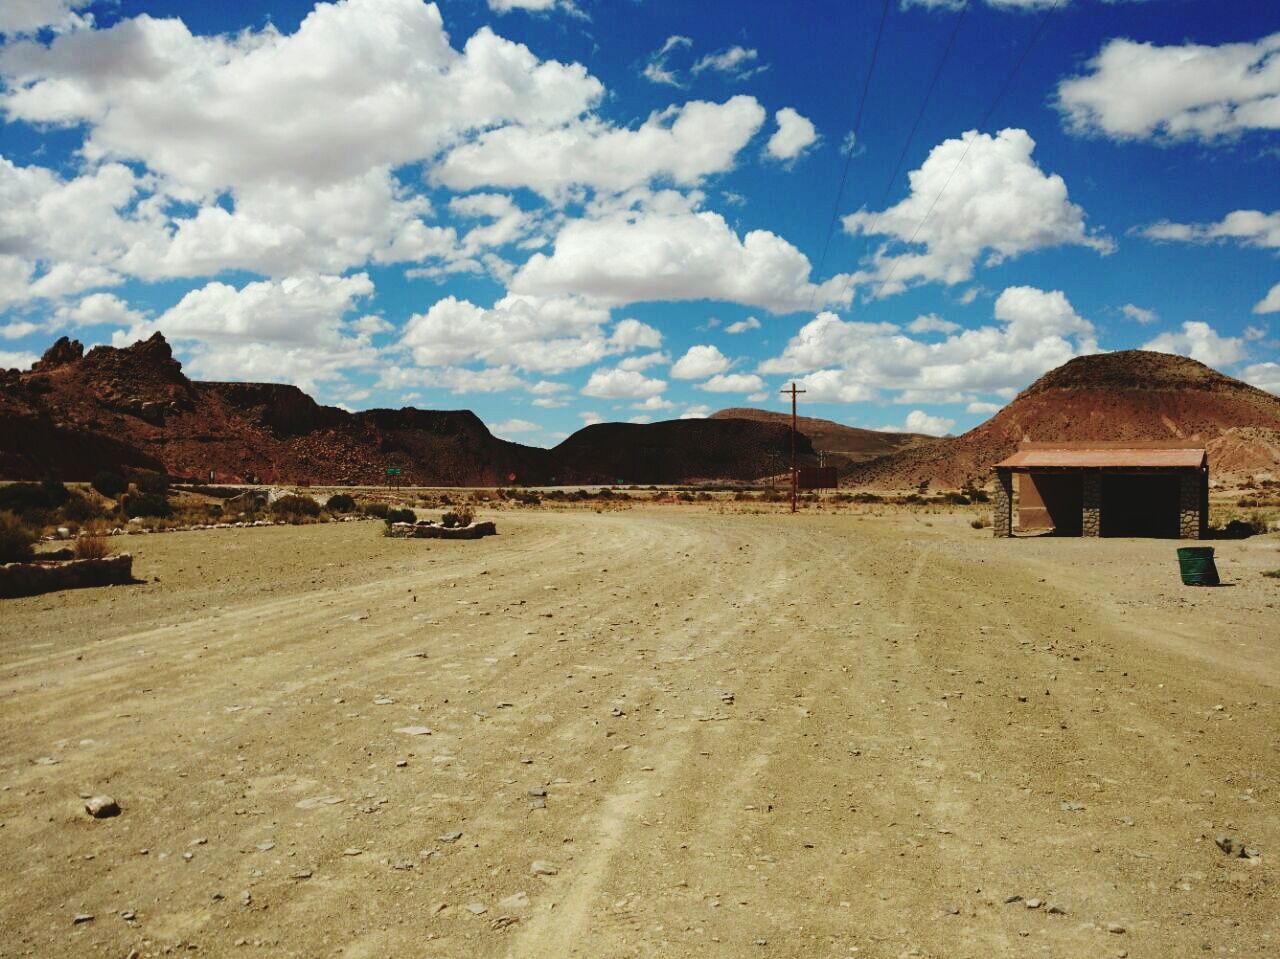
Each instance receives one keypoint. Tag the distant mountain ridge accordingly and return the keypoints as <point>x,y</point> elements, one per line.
<point>843,445</point>
<point>132,408</point>
<point>1130,395</point>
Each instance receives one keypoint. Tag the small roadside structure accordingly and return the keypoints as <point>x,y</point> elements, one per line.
<point>1104,489</point>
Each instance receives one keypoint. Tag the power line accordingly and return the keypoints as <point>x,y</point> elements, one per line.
<point>986,117</point>
<point>848,157</point>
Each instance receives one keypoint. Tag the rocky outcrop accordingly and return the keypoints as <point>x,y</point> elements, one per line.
<point>32,579</point>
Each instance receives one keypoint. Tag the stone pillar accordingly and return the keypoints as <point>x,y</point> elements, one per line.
<point>1002,505</point>
<point>1191,519</point>
<point>1091,515</point>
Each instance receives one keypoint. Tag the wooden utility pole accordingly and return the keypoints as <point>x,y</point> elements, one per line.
<point>795,476</point>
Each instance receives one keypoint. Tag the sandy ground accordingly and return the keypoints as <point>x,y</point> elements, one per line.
<point>758,735</point>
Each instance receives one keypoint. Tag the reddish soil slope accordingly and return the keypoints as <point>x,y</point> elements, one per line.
<point>1111,397</point>
<point>133,409</point>
<point>844,445</point>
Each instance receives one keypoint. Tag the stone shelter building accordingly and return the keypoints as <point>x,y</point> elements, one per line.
<point>1104,489</point>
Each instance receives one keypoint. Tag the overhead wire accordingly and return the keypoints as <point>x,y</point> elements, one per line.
<point>848,157</point>
<point>986,117</point>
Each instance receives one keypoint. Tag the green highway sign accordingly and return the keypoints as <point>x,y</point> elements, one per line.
<point>394,471</point>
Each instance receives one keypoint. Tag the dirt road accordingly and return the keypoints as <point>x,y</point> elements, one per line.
<point>717,735</point>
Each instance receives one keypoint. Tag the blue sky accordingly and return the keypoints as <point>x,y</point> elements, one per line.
<point>559,211</point>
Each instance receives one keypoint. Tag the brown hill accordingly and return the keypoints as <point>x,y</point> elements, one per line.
<point>843,445</point>
<point>676,451</point>
<point>133,409</point>
<point>1110,397</point>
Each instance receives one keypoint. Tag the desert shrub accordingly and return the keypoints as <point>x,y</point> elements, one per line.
<point>979,523</point>
<point>462,516</point>
<point>378,510</point>
<point>295,508</point>
<point>146,504</point>
<point>1271,573</point>
<point>80,509</point>
<point>341,503</point>
<point>156,484</point>
<point>110,484</point>
<point>93,546</point>
<point>26,499</point>
<point>16,538</point>
<point>957,499</point>
<point>400,515</point>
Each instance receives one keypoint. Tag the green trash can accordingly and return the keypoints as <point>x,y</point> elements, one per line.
<point>1197,567</point>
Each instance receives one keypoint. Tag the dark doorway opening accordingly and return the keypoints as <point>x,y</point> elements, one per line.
<point>1140,505</point>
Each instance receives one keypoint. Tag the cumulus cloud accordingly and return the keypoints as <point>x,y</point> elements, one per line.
<point>98,309</point>
<point>290,330</point>
<point>742,326</point>
<point>683,144</point>
<point>696,412</point>
<point>675,253</point>
<point>1269,303</point>
<point>512,427</point>
<point>699,362</point>
<point>545,335</point>
<point>361,84</point>
<point>1247,227</point>
<point>918,421</point>
<point>974,197</point>
<point>1139,314</point>
<point>1200,342</point>
<point>19,17</point>
<point>16,360</point>
<point>1265,376</point>
<point>1134,90</point>
<point>733,383</point>
<point>795,135</point>
<point>932,323</point>
<point>644,361</point>
<point>615,384</point>
<point>849,361</point>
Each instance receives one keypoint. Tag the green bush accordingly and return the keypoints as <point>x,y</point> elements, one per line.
<point>27,498</point>
<point>462,516</point>
<point>110,484</point>
<point>16,538</point>
<point>80,509</point>
<point>146,504</point>
<point>401,516</point>
<point>340,503</point>
<point>979,523</point>
<point>379,510</point>
<point>294,508</point>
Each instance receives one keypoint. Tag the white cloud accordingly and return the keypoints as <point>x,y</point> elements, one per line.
<point>699,362</point>
<point>983,408</point>
<point>932,323</point>
<point>18,17</point>
<point>11,360</point>
<point>1248,227</point>
<point>996,202</point>
<point>645,360</point>
<point>512,427</point>
<point>918,421</point>
<point>1139,314</point>
<point>1137,90</point>
<point>456,379</point>
<point>1269,303</point>
<point>361,85</point>
<point>735,62</point>
<point>622,385</point>
<point>698,412</point>
<point>682,144</point>
<point>1254,333</point>
<point>795,135</point>
<point>98,309</point>
<point>657,71</point>
<point>590,418</point>
<point>653,403</point>
<point>847,362</point>
<point>288,330</point>
<point>632,334</point>
<point>733,383</point>
<point>546,335</point>
<point>750,323</point>
<point>1265,376</point>
<point>530,6</point>
<point>663,254</point>
<point>1200,342</point>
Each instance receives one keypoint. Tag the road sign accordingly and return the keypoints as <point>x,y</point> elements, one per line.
<point>394,471</point>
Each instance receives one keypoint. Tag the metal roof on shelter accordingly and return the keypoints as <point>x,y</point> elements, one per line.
<point>1104,457</point>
